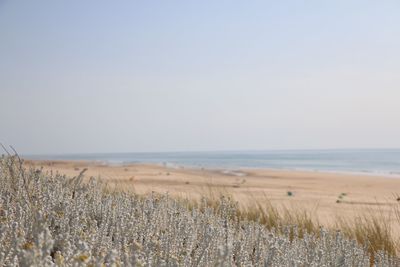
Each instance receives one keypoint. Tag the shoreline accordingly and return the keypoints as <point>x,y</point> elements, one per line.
<point>379,162</point>
<point>226,170</point>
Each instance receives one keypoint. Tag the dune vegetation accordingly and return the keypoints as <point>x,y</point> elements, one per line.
<point>48,219</point>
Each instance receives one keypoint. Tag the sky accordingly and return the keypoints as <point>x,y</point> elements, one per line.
<point>146,76</point>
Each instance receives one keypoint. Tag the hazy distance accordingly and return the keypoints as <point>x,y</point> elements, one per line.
<point>96,76</point>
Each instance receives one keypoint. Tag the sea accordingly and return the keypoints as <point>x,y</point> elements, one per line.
<point>366,161</point>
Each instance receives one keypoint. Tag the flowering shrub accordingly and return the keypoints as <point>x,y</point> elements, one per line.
<point>47,219</point>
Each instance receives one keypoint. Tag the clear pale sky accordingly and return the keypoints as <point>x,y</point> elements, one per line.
<point>127,76</point>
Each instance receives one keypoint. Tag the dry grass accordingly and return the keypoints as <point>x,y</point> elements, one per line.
<point>371,230</point>
<point>76,222</point>
<point>280,218</point>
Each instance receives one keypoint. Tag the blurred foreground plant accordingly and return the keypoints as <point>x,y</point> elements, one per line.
<point>47,219</point>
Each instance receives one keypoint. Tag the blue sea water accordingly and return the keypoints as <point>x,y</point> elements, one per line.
<point>371,161</point>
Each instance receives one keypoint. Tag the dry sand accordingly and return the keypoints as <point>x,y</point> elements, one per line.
<point>314,191</point>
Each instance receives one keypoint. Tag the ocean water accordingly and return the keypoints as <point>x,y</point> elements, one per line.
<point>368,161</point>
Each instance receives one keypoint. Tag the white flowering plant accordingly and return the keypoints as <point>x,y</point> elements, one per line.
<point>48,219</point>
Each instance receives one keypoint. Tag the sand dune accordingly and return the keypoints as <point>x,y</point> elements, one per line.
<point>327,195</point>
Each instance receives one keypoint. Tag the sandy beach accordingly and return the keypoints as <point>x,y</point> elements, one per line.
<point>325,195</point>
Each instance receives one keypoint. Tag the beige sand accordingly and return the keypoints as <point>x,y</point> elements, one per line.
<point>314,191</point>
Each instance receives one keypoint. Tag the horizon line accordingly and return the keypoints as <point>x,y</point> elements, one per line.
<point>211,151</point>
